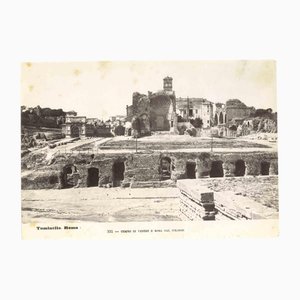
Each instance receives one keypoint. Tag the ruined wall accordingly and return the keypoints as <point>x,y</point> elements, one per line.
<point>141,104</point>
<point>161,112</point>
<point>97,131</point>
<point>237,112</point>
<point>141,111</point>
<point>90,130</point>
<point>227,162</point>
<point>237,109</point>
<point>129,112</point>
<point>155,112</point>
<point>139,167</point>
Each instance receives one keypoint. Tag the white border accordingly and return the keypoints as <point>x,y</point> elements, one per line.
<point>156,30</point>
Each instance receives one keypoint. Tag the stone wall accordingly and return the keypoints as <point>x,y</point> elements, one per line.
<point>161,112</point>
<point>237,112</point>
<point>140,167</point>
<point>139,113</point>
<point>237,109</point>
<point>238,198</point>
<point>196,203</point>
<point>154,112</point>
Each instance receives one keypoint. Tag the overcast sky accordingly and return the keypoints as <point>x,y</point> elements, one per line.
<point>103,89</point>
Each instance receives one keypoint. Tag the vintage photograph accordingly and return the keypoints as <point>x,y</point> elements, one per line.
<point>148,141</point>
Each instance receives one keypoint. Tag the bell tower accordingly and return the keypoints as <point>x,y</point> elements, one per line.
<point>168,84</point>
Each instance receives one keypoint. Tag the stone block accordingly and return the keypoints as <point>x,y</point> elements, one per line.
<point>206,197</point>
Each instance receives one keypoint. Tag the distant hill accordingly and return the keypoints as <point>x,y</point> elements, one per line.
<point>42,117</point>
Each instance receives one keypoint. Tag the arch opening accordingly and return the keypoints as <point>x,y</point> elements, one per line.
<point>93,177</point>
<point>191,170</point>
<point>217,169</point>
<point>216,119</point>
<point>265,168</point>
<point>68,178</point>
<point>221,121</point>
<point>240,168</point>
<point>75,131</point>
<point>165,168</point>
<point>118,173</point>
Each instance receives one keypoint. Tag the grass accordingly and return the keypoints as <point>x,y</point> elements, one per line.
<point>171,143</point>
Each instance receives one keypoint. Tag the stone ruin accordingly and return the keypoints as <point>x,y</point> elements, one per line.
<point>153,112</point>
<point>196,204</point>
<point>64,170</point>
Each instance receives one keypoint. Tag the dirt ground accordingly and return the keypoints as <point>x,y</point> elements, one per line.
<point>101,205</point>
<point>135,205</point>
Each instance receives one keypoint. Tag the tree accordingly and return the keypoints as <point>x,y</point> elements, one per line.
<point>260,112</point>
<point>197,123</point>
<point>180,119</point>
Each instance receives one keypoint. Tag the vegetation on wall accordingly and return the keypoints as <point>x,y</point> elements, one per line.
<point>197,122</point>
<point>42,117</point>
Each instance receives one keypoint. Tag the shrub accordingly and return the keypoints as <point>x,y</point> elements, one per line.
<point>197,123</point>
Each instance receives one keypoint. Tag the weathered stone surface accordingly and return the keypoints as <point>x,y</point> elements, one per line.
<point>144,166</point>
<point>237,109</point>
<point>43,179</point>
<point>257,201</point>
<point>196,202</point>
<point>238,207</point>
<point>153,112</point>
<point>260,189</point>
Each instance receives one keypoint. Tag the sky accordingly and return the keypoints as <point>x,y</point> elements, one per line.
<point>103,89</point>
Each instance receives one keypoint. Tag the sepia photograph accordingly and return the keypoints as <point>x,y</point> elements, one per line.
<point>148,141</point>
<point>149,149</point>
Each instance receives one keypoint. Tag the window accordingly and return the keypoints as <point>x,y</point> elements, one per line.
<point>190,112</point>
<point>196,111</point>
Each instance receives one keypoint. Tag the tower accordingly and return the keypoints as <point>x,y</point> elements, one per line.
<point>168,84</point>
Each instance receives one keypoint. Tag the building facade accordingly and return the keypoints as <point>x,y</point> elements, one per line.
<point>192,108</point>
